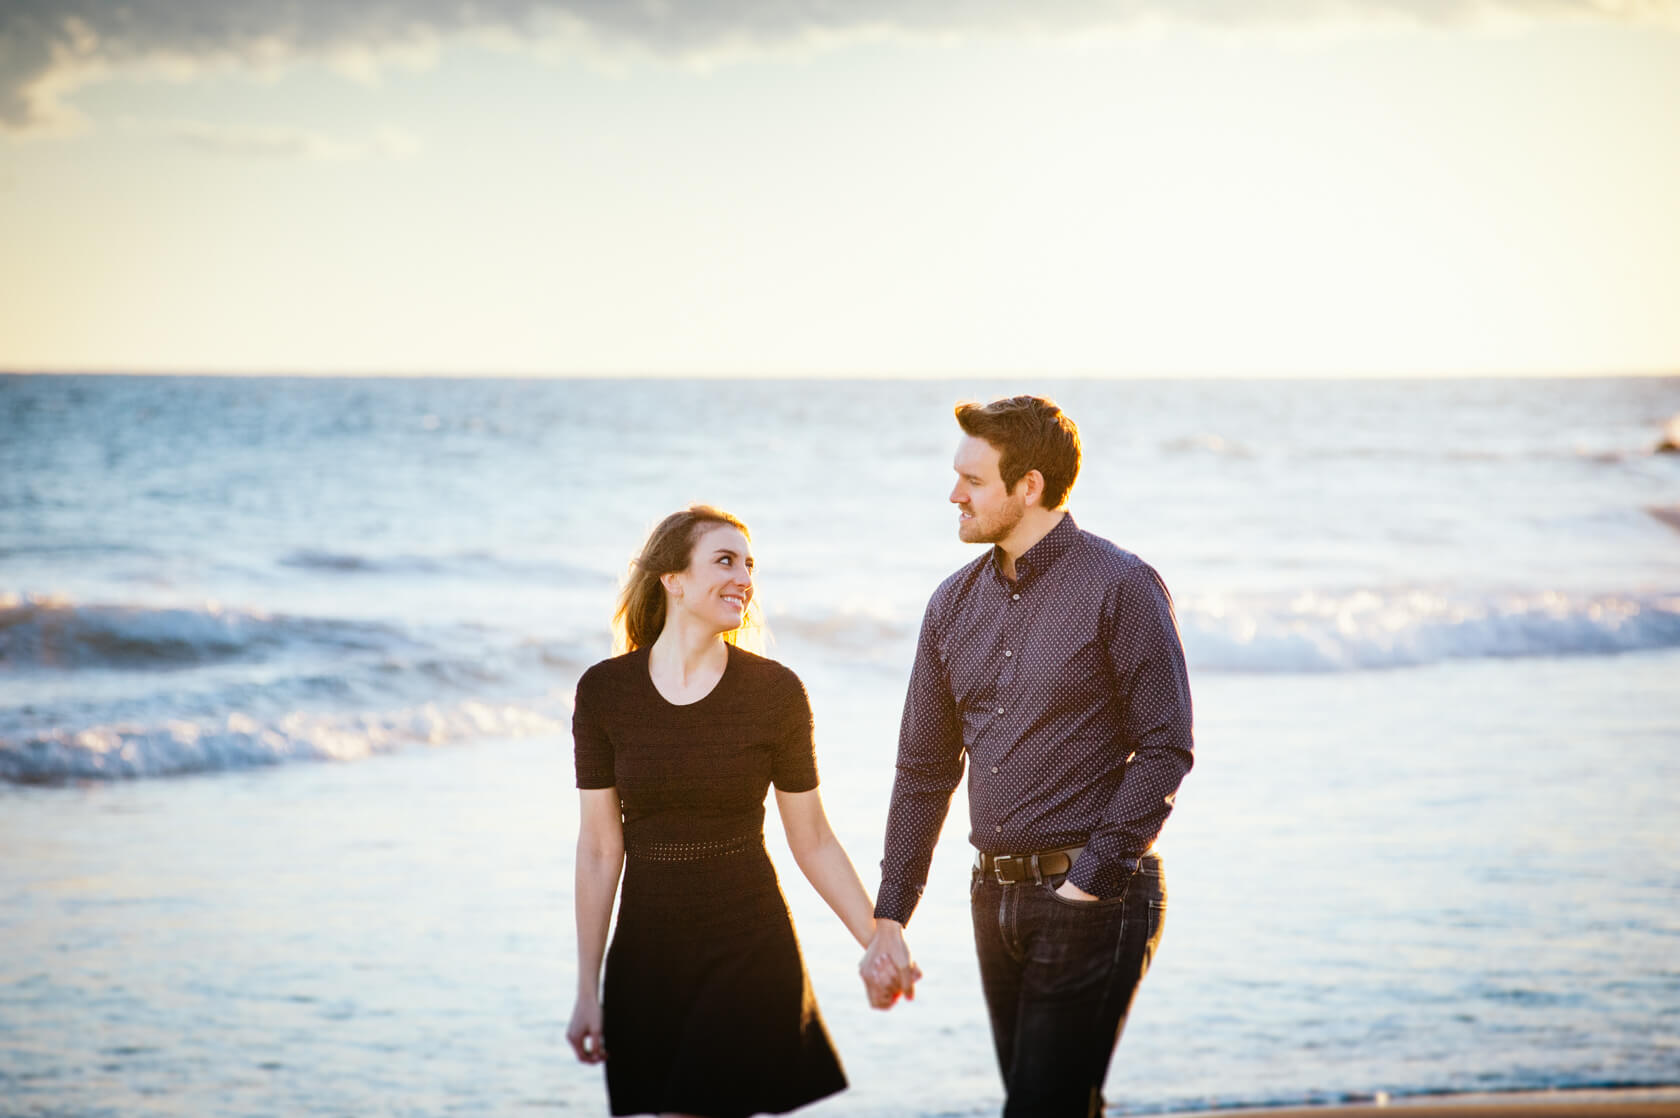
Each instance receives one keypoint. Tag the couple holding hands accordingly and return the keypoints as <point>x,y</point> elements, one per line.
<point>1052,664</point>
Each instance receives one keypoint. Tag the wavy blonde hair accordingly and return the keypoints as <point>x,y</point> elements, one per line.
<point>642,603</point>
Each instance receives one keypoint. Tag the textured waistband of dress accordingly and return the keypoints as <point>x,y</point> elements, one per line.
<point>693,851</point>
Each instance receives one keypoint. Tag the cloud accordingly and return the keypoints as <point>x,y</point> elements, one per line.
<point>278,142</point>
<point>48,48</point>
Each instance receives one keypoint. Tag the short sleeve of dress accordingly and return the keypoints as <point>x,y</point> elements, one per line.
<point>591,750</point>
<point>794,765</point>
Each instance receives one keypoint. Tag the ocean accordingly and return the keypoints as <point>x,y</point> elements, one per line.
<point>286,802</point>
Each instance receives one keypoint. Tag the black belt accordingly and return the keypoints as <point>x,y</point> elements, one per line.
<point>1012,869</point>
<point>692,851</point>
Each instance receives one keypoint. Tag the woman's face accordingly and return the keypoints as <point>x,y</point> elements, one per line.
<point>717,585</point>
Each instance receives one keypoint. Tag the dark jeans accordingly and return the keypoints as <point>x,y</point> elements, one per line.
<point>1059,976</point>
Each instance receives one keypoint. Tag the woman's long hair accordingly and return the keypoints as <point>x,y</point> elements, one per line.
<point>640,616</point>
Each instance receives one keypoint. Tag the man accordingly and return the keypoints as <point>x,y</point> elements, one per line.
<point>1053,663</point>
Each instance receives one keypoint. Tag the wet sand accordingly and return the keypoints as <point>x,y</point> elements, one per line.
<point>1627,1102</point>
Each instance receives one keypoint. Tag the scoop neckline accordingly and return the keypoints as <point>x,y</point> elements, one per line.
<point>647,674</point>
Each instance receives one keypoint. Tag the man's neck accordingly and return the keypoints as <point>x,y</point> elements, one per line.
<point>1034,526</point>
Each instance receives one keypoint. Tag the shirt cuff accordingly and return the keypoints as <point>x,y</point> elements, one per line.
<point>896,901</point>
<point>1101,879</point>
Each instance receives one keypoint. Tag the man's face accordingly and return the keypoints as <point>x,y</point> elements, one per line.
<point>987,512</point>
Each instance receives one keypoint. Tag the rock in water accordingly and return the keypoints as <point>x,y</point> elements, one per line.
<point>1670,443</point>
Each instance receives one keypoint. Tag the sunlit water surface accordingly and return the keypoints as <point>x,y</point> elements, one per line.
<point>1428,844</point>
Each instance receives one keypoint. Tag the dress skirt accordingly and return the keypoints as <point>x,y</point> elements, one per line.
<point>706,1005</point>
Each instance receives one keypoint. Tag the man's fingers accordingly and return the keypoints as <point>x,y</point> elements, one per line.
<point>908,973</point>
<point>880,983</point>
<point>888,973</point>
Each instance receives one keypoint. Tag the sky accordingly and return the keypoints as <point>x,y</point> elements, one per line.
<point>796,187</point>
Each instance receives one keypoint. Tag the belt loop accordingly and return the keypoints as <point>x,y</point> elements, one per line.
<point>1038,874</point>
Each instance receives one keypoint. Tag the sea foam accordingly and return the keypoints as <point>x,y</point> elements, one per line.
<point>240,741</point>
<point>1323,630</point>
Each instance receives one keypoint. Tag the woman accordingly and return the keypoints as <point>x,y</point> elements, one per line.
<point>707,1009</point>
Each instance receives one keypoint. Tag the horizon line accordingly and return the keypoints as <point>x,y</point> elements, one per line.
<point>840,374</point>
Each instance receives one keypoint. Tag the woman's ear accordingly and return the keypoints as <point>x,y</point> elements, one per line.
<point>672,584</point>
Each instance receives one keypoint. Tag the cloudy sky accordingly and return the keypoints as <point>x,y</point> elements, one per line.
<point>802,186</point>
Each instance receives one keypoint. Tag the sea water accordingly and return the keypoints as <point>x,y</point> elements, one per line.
<point>286,804</point>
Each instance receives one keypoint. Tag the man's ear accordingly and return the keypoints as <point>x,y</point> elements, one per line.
<point>1034,481</point>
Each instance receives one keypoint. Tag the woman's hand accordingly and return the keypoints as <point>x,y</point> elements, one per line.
<point>585,1031</point>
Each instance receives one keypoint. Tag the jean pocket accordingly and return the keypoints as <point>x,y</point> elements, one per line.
<point>1073,903</point>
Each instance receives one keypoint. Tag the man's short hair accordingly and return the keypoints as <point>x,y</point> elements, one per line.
<point>1029,433</point>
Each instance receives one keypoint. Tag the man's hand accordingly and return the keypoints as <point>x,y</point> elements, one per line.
<point>887,968</point>
<point>880,982</point>
<point>1074,893</point>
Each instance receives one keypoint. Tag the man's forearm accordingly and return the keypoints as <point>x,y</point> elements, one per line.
<point>1132,821</point>
<point>914,821</point>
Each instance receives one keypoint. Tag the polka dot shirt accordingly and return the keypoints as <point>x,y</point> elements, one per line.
<point>1065,691</point>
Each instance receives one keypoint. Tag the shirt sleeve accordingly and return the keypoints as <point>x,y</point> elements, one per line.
<point>930,766</point>
<point>793,765</point>
<point>592,751</point>
<point>1146,657</point>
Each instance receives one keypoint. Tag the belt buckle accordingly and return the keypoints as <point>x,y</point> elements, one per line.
<point>1029,862</point>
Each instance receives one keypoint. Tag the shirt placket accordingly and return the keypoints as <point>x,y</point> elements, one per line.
<point>1005,667</point>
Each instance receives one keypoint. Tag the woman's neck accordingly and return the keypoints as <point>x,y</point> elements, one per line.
<point>686,656</point>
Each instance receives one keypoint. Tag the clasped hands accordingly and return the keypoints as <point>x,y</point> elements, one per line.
<point>887,969</point>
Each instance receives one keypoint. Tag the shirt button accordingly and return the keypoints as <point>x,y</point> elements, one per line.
<point>994,768</point>
<point>1014,597</point>
<point>998,829</point>
<point>1000,710</point>
<point>1006,652</point>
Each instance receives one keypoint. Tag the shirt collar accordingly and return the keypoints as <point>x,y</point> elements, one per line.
<point>1042,555</point>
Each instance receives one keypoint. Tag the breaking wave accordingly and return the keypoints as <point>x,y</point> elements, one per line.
<point>1321,631</point>
<point>123,691</point>
<point>53,632</point>
<point>256,690</point>
<point>1367,629</point>
<point>240,741</point>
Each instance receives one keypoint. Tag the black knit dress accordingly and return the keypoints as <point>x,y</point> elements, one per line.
<point>707,1008</point>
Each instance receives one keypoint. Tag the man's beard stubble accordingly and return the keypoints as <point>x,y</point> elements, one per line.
<point>996,530</point>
